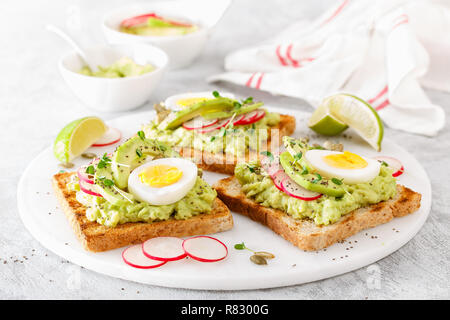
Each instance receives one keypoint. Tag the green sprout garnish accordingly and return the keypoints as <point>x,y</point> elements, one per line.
<point>268,154</point>
<point>141,134</point>
<point>90,169</point>
<point>337,181</point>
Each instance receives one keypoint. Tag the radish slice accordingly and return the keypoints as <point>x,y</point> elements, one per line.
<point>88,188</point>
<point>247,118</point>
<point>198,123</point>
<point>251,117</point>
<point>164,249</point>
<point>222,123</point>
<point>133,256</point>
<point>290,187</point>
<point>205,249</point>
<point>137,20</point>
<point>261,114</point>
<point>278,177</point>
<point>83,176</point>
<point>111,136</point>
<point>271,166</point>
<point>392,163</point>
<point>238,118</point>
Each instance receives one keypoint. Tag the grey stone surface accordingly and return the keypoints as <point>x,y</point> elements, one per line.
<point>35,103</point>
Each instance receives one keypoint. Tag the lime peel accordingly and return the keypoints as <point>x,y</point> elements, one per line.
<point>76,137</point>
<point>339,111</point>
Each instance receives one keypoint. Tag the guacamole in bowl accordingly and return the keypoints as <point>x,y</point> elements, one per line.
<point>124,67</point>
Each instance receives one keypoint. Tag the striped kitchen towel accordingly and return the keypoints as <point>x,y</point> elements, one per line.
<point>383,51</point>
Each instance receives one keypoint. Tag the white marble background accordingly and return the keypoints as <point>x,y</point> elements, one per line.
<point>35,104</point>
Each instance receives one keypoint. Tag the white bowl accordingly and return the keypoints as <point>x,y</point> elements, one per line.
<point>181,49</point>
<point>114,94</point>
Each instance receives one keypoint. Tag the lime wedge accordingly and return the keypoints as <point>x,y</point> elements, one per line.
<point>323,122</point>
<point>76,137</point>
<point>352,111</point>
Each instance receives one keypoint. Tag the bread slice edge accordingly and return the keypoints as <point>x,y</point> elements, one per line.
<point>96,237</point>
<point>304,233</point>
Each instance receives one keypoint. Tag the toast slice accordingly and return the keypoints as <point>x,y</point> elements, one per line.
<point>305,234</point>
<point>222,163</point>
<point>96,237</point>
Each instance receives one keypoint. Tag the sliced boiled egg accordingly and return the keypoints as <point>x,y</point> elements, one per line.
<point>348,166</point>
<point>162,181</point>
<point>183,100</point>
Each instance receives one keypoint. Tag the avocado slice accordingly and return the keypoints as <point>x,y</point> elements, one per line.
<point>133,153</point>
<point>199,108</point>
<point>307,179</point>
<point>225,114</point>
<point>111,193</point>
<point>217,108</point>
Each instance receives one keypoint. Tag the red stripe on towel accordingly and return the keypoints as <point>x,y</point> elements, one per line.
<point>380,94</point>
<point>383,105</point>
<point>258,83</point>
<point>336,13</point>
<point>282,60</point>
<point>402,19</point>
<point>249,81</point>
<point>295,63</point>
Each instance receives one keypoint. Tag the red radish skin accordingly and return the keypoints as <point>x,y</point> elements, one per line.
<point>393,163</point>
<point>222,123</point>
<point>88,189</point>
<point>207,241</point>
<point>83,176</point>
<point>291,188</point>
<point>164,249</point>
<point>134,21</point>
<point>261,114</point>
<point>134,257</point>
<point>237,120</point>
<point>111,137</point>
<point>278,177</point>
<point>251,117</point>
<point>199,123</point>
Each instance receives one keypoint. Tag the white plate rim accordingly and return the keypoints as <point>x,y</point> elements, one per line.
<point>368,258</point>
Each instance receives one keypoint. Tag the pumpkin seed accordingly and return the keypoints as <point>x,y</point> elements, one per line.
<point>266,255</point>
<point>256,259</point>
<point>67,164</point>
<point>89,155</point>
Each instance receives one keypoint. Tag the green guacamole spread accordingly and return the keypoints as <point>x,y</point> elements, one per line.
<point>124,67</point>
<point>235,140</point>
<point>325,210</point>
<point>198,200</point>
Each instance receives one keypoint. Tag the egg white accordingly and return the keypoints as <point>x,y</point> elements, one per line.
<point>350,176</point>
<point>171,102</point>
<point>168,194</point>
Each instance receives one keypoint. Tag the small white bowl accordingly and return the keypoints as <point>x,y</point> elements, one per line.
<point>181,49</point>
<point>114,94</point>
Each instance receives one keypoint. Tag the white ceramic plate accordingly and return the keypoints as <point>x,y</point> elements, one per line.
<point>41,215</point>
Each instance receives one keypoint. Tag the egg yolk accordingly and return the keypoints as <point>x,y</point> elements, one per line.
<point>160,176</point>
<point>190,101</point>
<point>346,160</point>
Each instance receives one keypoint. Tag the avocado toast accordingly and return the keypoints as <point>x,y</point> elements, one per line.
<point>142,190</point>
<point>293,194</point>
<point>219,132</point>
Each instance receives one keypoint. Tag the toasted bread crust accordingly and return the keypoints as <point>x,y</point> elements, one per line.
<point>304,233</point>
<point>96,237</point>
<point>225,164</point>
